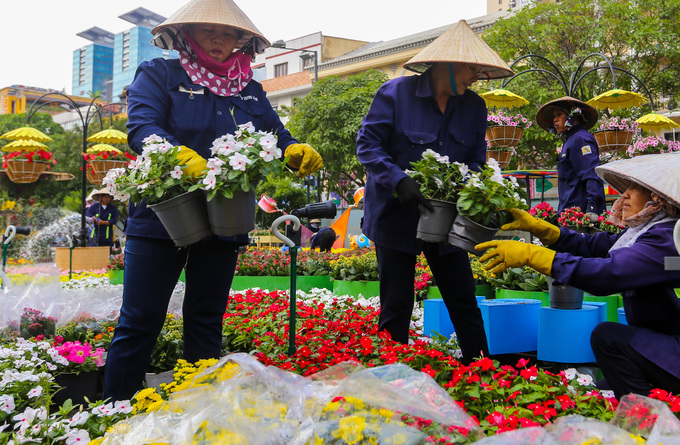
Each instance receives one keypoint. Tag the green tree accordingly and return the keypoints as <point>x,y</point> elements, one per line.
<point>638,36</point>
<point>329,118</point>
<point>288,193</point>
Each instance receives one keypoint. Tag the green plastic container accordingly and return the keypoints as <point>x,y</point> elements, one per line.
<point>544,297</point>
<point>612,304</point>
<point>303,283</point>
<point>116,276</point>
<point>483,290</point>
<point>354,288</point>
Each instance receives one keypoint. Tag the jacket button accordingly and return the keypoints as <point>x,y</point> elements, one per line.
<point>219,113</point>
<point>441,143</point>
<point>421,142</point>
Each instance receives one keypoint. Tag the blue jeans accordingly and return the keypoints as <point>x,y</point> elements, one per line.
<point>152,268</point>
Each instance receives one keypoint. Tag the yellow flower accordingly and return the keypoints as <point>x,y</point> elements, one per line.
<point>8,205</point>
<point>386,413</point>
<point>350,429</point>
<point>398,439</point>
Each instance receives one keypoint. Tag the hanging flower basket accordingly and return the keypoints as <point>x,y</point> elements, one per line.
<point>502,156</point>
<point>23,171</point>
<point>97,169</point>
<point>613,140</point>
<point>504,135</point>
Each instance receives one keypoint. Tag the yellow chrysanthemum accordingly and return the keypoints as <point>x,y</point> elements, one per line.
<point>350,429</point>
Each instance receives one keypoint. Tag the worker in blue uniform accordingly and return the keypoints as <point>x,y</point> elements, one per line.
<point>577,183</point>
<point>409,115</point>
<point>645,353</point>
<point>104,216</point>
<point>189,101</point>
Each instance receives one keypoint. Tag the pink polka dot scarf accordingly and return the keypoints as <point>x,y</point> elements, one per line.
<point>224,79</point>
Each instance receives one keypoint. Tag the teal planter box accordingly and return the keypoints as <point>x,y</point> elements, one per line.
<point>355,288</point>
<point>116,277</point>
<point>612,302</point>
<point>621,313</point>
<point>564,334</point>
<point>303,283</point>
<point>436,317</point>
<point>511,324</point>
<point>543,297</point>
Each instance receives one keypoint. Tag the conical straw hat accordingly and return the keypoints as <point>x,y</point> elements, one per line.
<point>214,12</point>
<point>659,173</point>
<point>544,115</point>
<point>460,44</point>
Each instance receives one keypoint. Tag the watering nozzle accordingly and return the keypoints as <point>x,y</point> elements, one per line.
<point>324,209</point>
<point>11,231</point>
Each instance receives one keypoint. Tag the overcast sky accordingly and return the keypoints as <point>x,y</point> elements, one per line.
<point>39,36</point>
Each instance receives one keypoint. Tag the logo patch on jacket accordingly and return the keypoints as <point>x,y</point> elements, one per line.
<point>585,150</point>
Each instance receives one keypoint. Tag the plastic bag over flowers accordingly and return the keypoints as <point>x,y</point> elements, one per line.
<point>239,400</point>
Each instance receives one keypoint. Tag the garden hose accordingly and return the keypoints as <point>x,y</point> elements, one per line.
<point>293,272</point>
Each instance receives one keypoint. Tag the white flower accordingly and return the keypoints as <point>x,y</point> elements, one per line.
<point>7,403</point>
<point>268,140</point>
<point>144,186</point>
<point>248,127</point>
<point>438,181</point>
<point>151,139</point>
<point>123,406</point>
<point>270,153</point>
<point>239,162</point>
<point>585,380</point>
<point>215,166</point>
<point>79,418</point>
<point>176,172</point>
<point>497,177</point>
<point>209,181</point>
<point>35,392</point>
<point>77,437</point>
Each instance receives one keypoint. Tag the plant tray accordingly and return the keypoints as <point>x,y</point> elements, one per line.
<point>504,136</point>
<point>23,172</point>
<point>98,169</point>
<point>613,140</point>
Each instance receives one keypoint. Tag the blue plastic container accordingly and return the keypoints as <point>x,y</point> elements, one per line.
<point>622,315</point>
<point>511,324</point>
<point>436,317</point>
<point>564,335</point>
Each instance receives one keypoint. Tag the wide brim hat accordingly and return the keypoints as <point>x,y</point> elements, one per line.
<point>544,115</point>
<point>214,12</point>
<point>97,194</point>
<point>659,173</point>
<point>460,44</point>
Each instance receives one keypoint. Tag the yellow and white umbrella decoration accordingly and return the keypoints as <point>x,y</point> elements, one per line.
<point>656,122</point>
<point>108,136</point>
<point>26,133</point>
<point>503,98</point>
<point>614,99</point>
<point>24,145</point>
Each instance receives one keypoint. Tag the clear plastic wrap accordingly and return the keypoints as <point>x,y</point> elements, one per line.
<point>647,417</point>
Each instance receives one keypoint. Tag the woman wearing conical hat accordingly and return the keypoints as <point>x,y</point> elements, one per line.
<point>434,110</point>
<point>645,353</point>
<point>578,184</point>
<point>189,102</point>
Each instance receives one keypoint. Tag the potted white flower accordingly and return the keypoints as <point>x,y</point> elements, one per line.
<point>439,181</point>
<point>480,203</point>
<point>157,176</point>
<point>239,162</point>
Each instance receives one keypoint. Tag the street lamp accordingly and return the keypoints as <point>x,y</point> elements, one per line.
<point>85,120</point>
<point>306,55</point>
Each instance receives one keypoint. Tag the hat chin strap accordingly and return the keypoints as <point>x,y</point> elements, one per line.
<point>452,80</point>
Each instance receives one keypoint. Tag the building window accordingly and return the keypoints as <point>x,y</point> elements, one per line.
<point>126,50</point>
<point>281,70</point>
<point>308,62</point>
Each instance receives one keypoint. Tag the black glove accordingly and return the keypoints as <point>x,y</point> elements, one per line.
<point>408,192</point>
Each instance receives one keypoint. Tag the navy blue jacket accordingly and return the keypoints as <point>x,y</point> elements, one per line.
<point>110,214</point>
<point>162,100</point>
<point>578,185</point>
<point>405,120</point>
<point>638,273</point>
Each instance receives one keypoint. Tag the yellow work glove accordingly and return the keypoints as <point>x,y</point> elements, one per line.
<point>507,254</point>
<point>546,232</point>
<point>304,158</point>
<point>195,163</point>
